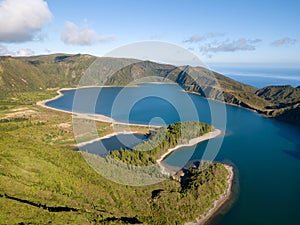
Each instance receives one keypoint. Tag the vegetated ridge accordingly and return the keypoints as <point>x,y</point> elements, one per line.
<point>62,70</point>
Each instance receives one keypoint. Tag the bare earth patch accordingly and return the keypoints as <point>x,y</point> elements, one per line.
<point>20,112</point>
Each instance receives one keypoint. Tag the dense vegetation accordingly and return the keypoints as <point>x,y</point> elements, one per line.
<point>44,181</point>
<point>160,141</point>
<point>286,102</point>
<point>61,70</point>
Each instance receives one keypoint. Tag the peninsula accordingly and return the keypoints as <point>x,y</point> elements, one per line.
<point>54,183</point>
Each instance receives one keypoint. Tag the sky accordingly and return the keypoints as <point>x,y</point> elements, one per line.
<point>216,31</point>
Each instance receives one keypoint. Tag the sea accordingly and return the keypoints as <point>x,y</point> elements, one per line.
<point>261,76</point>
<point>264,152</point>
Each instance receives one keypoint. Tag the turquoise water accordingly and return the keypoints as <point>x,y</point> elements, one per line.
<point>265,152</point>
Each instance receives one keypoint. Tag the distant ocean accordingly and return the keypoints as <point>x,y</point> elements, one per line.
<point>261,77</point>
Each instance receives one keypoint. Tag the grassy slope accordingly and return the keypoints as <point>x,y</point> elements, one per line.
<point>280,94</point>
<point>195,79</point>
<point>279,102</point>
<point>61,70</point>
<point>16,75</point>
<point>41,72</point>
<point>43,181</point>
<point>286,102</point>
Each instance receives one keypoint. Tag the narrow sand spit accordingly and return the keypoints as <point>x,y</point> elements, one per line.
<point>217,204</point>
<point>192,142</point>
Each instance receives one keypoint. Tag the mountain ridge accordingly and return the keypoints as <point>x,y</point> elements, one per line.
<point>66,70</point>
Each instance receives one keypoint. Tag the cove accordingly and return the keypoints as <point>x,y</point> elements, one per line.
<point>116,142</point>
<point>265,152</point>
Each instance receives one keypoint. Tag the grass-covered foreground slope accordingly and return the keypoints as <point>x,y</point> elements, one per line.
<point>44,181</point>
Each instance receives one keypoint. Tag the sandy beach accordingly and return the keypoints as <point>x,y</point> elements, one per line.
<point>59,92</point>
<point>106,136</point>
<point>217,204</point>
<point>96,117</point>
<point>192,142</point>
<point>224,197</point>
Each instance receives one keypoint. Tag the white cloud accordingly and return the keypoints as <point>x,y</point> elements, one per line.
<point>73,34</point>
<point>25,52</point>
<point>254,41</point>
<point>22,52</point>
<point>241,44</point>
<point>4,50</point>
<point>198,38</point>
<point>21,20</point>
<point>194,38</point>
<point>283,42</point>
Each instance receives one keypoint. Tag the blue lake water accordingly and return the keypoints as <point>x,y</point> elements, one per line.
<point>265,152</point>
<point>120,141</point>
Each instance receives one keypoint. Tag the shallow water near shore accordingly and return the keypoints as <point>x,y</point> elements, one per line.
<point>265,152</point>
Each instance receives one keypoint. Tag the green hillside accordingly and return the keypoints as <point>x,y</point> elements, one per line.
<point>286,102</point>
<point>43,180</point>
<point>280,95</point>
<point>62,70</point>
<point>16,76</point>
<point>41,72</point>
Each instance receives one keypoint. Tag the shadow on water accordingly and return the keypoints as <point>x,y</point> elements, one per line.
<point>293,153</point>
<point>291,133</point>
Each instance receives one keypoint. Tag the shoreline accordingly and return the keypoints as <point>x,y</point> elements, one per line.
<point>96,117</point>
<point>106,119</point>
<point>105,137</point>
<point>258,111</point>
<point>218,203</point>
<point>192,142</point>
